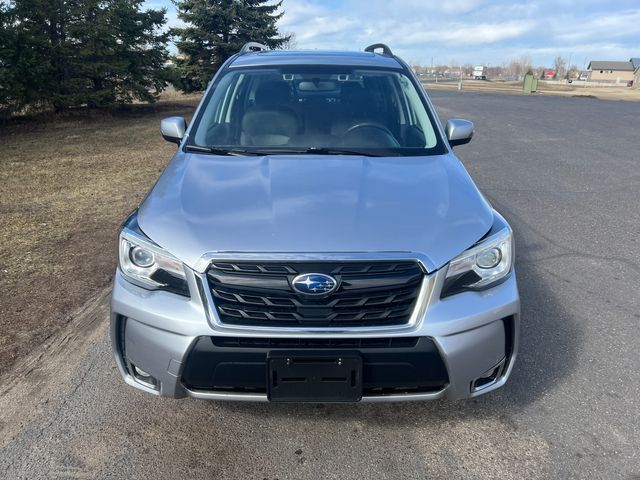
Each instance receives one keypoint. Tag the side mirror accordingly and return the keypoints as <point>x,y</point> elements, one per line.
<point>173,129</point>
<point>459,131</point>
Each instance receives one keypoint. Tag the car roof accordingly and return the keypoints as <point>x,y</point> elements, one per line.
<point>314,57</point>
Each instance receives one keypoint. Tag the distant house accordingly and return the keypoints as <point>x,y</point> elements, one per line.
<point>635,62</point>
<point>610,71</point>
<point>548,75</point>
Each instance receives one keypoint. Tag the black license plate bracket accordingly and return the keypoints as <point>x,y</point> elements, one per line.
<point>314,377</point>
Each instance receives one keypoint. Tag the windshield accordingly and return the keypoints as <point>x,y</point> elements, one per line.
<point>297,109</point>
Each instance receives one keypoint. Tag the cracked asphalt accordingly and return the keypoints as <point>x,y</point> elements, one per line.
<point>566,174</point>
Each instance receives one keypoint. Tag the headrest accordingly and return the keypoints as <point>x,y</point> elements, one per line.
<point>273,93</point>
<point>268,127</point>
<point>350,89</point>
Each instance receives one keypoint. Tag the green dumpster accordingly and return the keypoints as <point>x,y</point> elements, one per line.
<point>530,83</point>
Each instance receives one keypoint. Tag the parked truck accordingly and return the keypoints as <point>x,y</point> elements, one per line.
<point>479,73</point>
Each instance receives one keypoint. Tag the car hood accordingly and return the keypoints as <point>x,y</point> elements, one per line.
<point>315,203</point>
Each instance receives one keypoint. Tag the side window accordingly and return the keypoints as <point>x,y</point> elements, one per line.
<point>417,113</point>
<point>232,103</point>
<point>216,111</point>
<point>404,111</point>
<point>384,106</point>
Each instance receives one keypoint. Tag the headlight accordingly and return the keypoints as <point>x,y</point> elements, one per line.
<point>147,265</point>
<point>481,266</point>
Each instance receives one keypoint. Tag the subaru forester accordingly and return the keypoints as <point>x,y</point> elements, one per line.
<point>315,239</point>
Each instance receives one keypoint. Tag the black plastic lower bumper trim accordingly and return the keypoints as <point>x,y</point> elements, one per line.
<point>389,365</point>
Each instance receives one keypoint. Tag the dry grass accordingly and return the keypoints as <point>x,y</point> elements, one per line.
<point>604,93</point>
<point>66,186</point>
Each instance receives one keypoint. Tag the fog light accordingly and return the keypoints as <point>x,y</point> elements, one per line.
<point>144,378</point>
<point>141,257</point>
<point>141,373</point>
<point>489,377</point>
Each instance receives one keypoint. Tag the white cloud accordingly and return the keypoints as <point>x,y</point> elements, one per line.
<point>408,26</point>
<point>455,34</point>
<point>467,31</point>
<point>610,26</point>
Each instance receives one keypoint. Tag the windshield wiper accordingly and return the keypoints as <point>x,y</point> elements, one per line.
<point>339,151</point>
<point>310,150</point>
<point>219,151</point>
<point>279,151</point>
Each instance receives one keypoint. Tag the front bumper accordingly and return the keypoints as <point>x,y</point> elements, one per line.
<point>474,333</point>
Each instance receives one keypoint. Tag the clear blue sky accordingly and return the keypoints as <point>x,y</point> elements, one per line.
<point>466,31</point>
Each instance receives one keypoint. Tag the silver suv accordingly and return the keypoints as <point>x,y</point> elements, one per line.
<point>315,239</point>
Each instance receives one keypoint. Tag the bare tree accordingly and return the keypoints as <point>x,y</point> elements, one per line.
<point>419,69</point>
<point>526,62</point>
<point>572,72</point>
<point>291,43</point>
<point>440,69</point>
<point>559,67</point>
<point>495,72</point>
<point>520,66</point>
<point>514,68</point>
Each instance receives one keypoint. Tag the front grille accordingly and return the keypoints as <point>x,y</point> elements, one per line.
<point>369,294</point>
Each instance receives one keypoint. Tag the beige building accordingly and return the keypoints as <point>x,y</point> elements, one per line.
<point>636,71</point>
<point>610,72</point>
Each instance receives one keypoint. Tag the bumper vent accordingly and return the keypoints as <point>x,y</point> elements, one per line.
<point>369,293</point>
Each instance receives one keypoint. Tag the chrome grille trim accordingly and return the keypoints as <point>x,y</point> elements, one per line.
<point>424,295</point>
<point>378,293</point>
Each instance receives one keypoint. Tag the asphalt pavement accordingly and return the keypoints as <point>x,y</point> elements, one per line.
<point>566,173</point>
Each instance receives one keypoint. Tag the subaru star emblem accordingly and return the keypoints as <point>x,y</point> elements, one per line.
<point>314,284</point>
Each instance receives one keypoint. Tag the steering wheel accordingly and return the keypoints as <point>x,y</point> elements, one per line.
<point>375,126</point>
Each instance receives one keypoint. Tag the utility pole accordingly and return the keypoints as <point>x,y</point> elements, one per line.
<point>569,66</point>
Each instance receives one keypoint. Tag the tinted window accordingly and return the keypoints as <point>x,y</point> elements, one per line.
<point>297,108</point>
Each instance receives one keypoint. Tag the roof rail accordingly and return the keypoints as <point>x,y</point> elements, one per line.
<point>251,47</point>
<point>385,49</point>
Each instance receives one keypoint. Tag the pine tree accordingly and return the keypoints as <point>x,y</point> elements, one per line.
<point>217,29</point>
<point>120,54</point>
<point>68,53</point>
<point>28,53</point>
<point>7,52</point>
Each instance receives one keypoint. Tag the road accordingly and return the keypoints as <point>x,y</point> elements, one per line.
<point>566,174</point>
